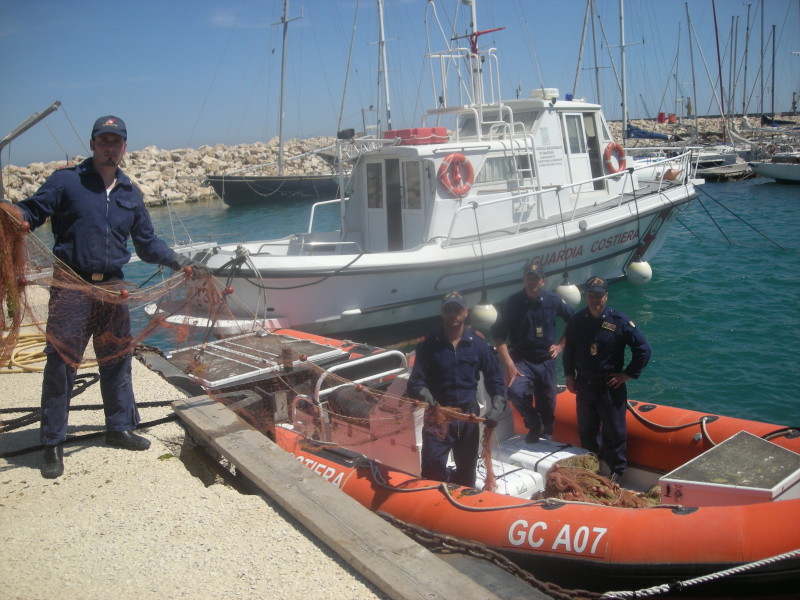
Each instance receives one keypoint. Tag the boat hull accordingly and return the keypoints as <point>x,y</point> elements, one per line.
<point>366,292</point>
<point>782,173</point>
<point>596,547</point>
<point>236,190</point>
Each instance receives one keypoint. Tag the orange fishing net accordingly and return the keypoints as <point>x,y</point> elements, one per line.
<point>577,479</point>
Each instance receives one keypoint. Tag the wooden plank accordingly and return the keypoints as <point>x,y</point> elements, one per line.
<point>394,563</point>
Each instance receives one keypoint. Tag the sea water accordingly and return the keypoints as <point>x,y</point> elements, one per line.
<point>719,311</point>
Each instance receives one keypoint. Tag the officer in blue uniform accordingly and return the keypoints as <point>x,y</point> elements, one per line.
<point>524,335</point>
<point>446,371</point>
<point>94,208</point>
<point>595,350</point>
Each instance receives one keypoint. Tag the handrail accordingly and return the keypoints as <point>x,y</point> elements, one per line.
<point>314,208</point>
<point>628,173</point>
<point>357,362</point>
<point>305,245</point>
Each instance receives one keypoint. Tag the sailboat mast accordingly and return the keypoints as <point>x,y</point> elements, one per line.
<point>746,48</point>
<point>382,73</point>
<point>285,22</point>
<point>622,68</point>
<point>691,61</point>
<point>596,67</point>
<point>773,73</point>
<point>580,52</point>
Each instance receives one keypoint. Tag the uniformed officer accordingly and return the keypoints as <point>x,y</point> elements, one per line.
<point>446,371</point>
<point>524,335</point>
<point>595,349</point>
<point>94,207</point>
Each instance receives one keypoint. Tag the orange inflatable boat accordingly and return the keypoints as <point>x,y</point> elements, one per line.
<point>729,488</point>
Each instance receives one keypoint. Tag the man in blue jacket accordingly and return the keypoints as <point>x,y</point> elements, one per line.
<point>94,208</point>
<point>448,364</point>
<point>596,338</point>
<point>525,337</point>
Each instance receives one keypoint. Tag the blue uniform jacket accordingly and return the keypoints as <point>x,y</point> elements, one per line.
<point>596,347</point>
<point>529,326</point>
<point>451,374</point>
<point>91,230</point>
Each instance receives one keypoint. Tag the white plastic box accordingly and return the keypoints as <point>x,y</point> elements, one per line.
<point>744,469</point>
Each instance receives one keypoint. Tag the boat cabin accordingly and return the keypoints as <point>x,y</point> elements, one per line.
<point>516,164</point>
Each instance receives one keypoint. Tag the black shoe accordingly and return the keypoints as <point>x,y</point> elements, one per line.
<point>53,465</point>
<point>127,440</point>
<point>532,437</point>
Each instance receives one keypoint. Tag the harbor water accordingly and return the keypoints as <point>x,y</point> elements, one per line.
<point>719,312</point>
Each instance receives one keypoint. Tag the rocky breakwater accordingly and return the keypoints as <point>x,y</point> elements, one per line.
<point>178,175</point>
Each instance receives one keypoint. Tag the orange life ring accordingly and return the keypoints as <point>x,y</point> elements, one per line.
<point>456,174</point>
<point>615,150</point>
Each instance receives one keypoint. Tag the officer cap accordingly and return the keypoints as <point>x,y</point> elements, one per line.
<point>595,285</point>
<point>454,298</point>
<point>533,268</point>
<point>109,124</point>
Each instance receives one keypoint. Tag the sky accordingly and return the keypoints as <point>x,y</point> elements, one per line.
<point>186,73</point>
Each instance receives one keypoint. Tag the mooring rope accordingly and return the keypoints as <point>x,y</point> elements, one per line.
<point>681,585</point>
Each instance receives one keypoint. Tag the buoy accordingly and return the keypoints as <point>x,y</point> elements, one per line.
<point>639,272</point>
<point>569,292</point>
<point>124,294</point>
<point>484,316</point>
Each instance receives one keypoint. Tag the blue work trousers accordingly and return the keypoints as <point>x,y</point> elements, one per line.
<point>73,319</point>
<point>463,439</point>
<point>601,421</point>
<point>534,395</point>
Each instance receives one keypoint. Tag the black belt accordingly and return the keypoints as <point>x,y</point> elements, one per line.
<point>527,358</point>
<point>97,277</point>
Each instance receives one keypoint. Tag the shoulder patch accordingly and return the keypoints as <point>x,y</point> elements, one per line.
<point>609,326</point>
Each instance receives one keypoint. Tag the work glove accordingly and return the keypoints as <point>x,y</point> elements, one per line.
<point>495,410</point>
<point>180,262</point>
<point>426,396</point>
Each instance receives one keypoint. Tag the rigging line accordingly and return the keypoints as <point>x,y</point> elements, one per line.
<point>211,84</point>
<point>678,219</point>
<point>75,131</point>
<point>715,222</point>
<point>742,220</point>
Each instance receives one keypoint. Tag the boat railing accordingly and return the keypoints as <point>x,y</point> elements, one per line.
<point>376,377</point>
<point>298,246</point>
<point>318,401</point>
<point>527,207</point>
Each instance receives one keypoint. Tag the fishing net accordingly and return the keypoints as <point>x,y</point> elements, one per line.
<point>265,376</point>
<point>577,478</point>
<point>42,299</point>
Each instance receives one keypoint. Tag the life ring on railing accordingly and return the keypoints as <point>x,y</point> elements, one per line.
<point>614,151</point>
<point>456,174</point>
<point>771,149</point>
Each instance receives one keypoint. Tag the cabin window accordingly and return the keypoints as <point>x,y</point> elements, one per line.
<point>575,139</point>
<point>502,168</point>
<point>375,185</point>
<point>412,198</point>
<point>497,168</point>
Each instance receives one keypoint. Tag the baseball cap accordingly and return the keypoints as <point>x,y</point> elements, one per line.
<point>595,285</point>
<point>109,124</point>
<point>535,269</point>
<point>454,298</point>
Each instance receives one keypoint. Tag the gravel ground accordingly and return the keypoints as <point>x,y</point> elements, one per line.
<point>122,524</point>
